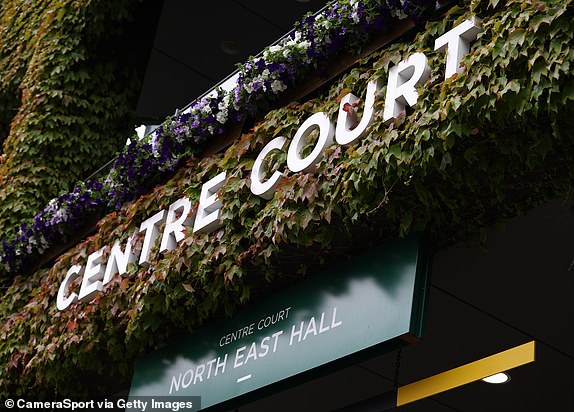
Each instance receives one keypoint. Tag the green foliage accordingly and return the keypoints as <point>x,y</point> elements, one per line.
<point>68,104</point>
<point>480,146</point>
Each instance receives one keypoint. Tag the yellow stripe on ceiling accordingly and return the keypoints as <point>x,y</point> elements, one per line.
<point>503,361</point>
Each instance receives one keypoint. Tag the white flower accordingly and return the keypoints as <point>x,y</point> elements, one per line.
<point>274,49</point>
<point>221,117</point>
<point>323,21</point>
<point>297,43</point>
<point>398,13</point>
<point>182,132</point>
<point>52,204</point>
<point>278,86</point>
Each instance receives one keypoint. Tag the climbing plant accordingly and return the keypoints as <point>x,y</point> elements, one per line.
<point>68,102</point>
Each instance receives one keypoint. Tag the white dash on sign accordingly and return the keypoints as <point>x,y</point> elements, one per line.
<point>244,378</point>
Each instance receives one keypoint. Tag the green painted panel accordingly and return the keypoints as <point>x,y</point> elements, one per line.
<point>347,310</point>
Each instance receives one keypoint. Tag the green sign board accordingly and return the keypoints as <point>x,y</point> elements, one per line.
<point>365,306</point>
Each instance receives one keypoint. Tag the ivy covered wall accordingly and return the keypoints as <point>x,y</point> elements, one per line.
<point>67,102</point>
<point>479,147</point>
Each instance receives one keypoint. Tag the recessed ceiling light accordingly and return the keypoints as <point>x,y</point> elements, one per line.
<point>230,47</point>
<point>497,378</point>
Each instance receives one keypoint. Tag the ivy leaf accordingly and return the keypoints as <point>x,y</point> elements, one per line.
<point>406,222</point>
<point>446,160</point>
<point>124,284</point>
<point>343,93</point>
<point>517,37</point>
<point>72,326</point>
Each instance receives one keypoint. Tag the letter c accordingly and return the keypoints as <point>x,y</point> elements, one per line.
<point>64,301</point>
<point>295,162</point>
<point>266,189</point>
